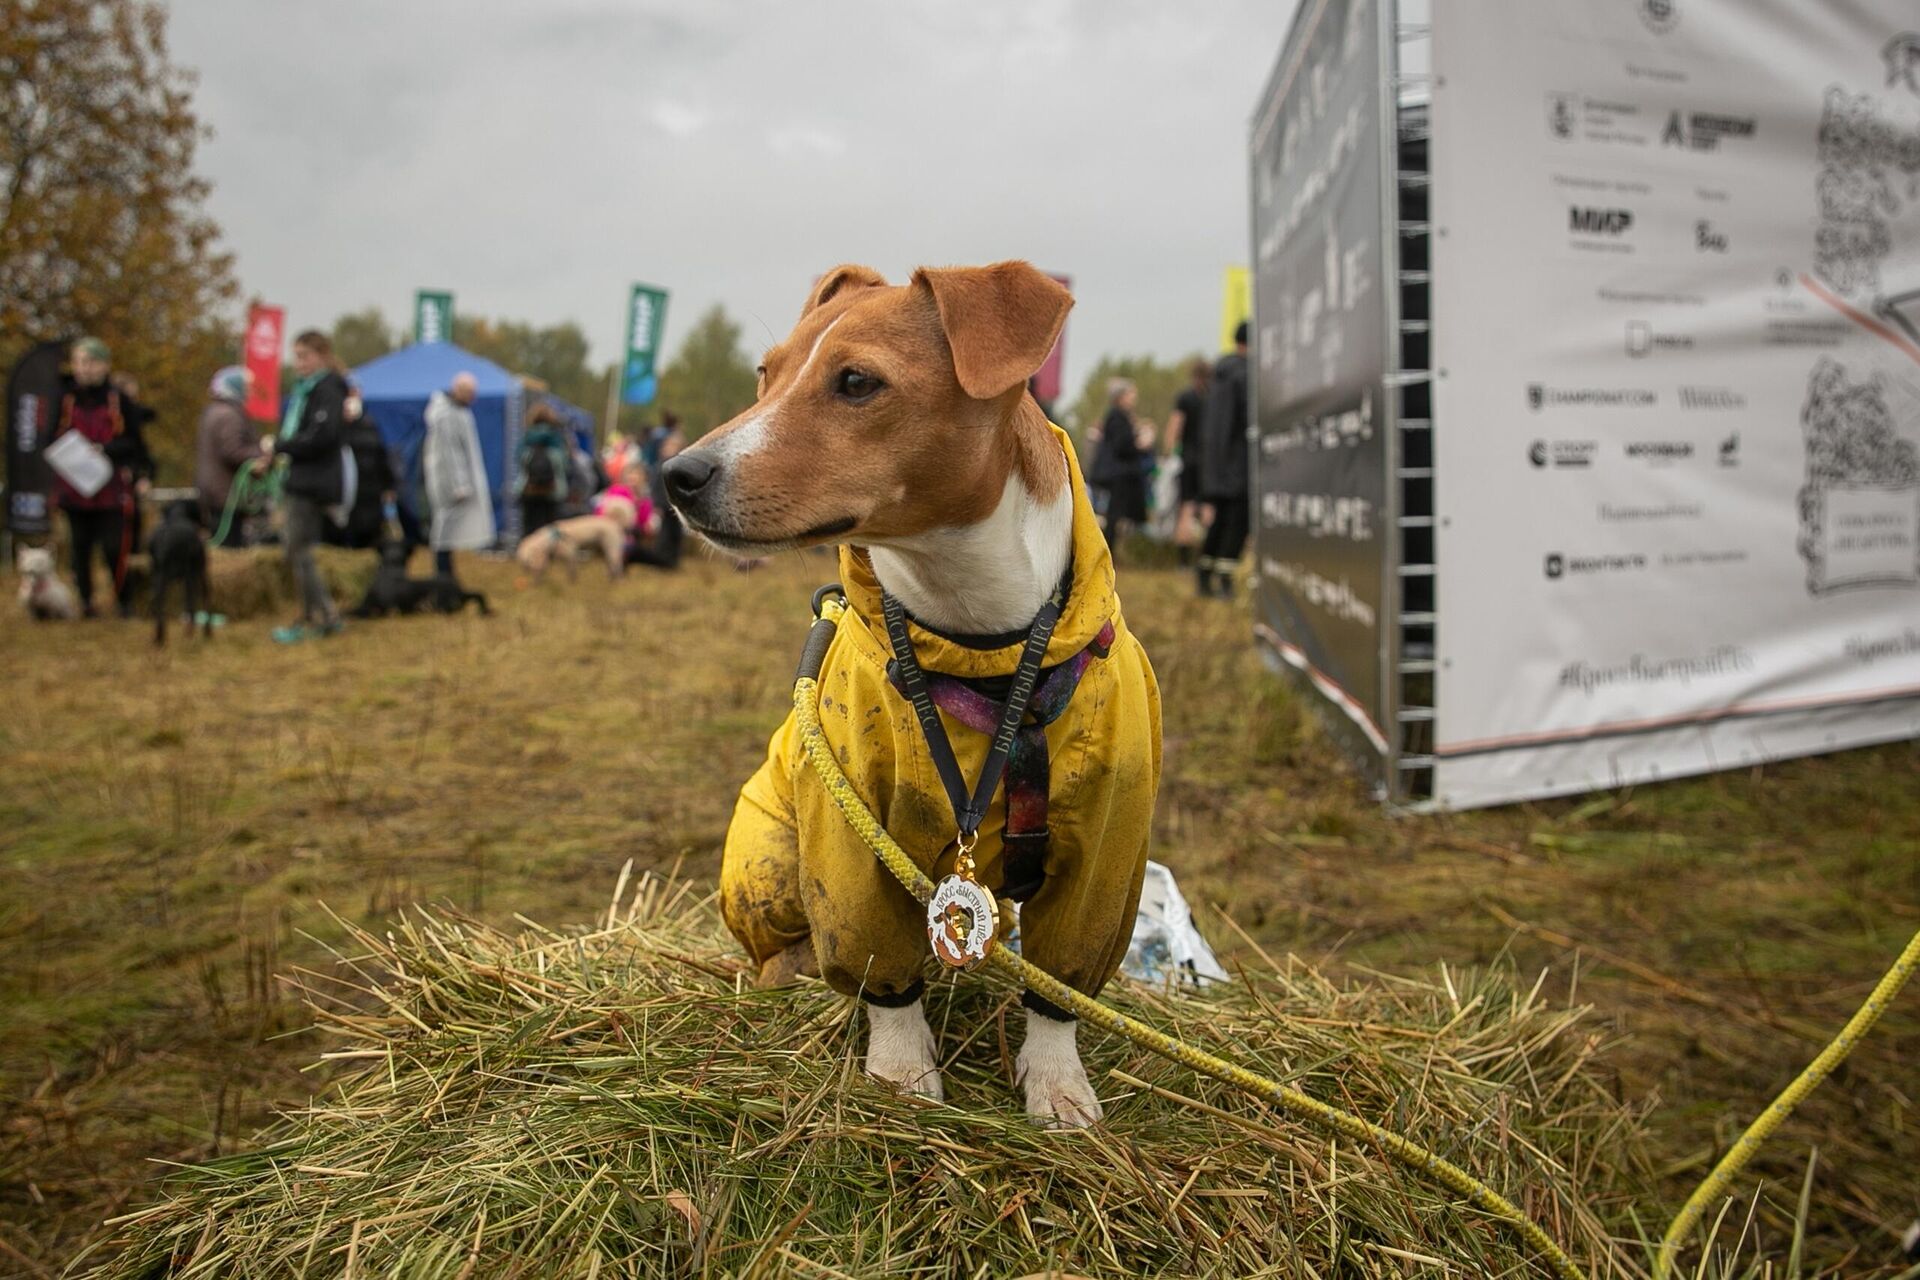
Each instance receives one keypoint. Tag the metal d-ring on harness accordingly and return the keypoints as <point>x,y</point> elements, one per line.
<point>829,604</point>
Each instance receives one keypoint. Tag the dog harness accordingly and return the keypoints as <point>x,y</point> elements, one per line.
<point>962,917</point>
<point>1028,767</point>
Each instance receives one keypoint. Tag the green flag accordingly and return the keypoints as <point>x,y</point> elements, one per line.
<point>646,317</point>
<point>432,316</point>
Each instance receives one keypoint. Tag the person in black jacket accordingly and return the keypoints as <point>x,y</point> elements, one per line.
<point>375,484</point>
<point>311,436</point>
<point>1120,465</point>
<point>1223,470</point>
<point>103,519</point>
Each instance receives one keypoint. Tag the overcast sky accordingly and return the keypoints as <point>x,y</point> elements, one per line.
<point>536,158</point>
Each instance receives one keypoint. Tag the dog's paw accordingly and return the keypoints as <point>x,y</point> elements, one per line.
<point>1059,1095</point>
<point>900,1051</point>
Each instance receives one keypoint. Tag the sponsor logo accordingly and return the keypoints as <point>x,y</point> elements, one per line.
<point>1730,451</point>
<point>1540,396</point>
<point>1643,341</point>
<point>1711,398</point>
<point>1562,453</point>
<point>1560,565</point>
<point>1660,452</point>
<point>1703,130</point>
<point>1639,669</point>
<point>1869,649</point>
<point>1587,220</point>
<point>1702,559</point>
<point>1648,513</point>
<point>26,418</point>
<point>1708,238</point>
<point>1661,16</point>
<point>1563,115</point>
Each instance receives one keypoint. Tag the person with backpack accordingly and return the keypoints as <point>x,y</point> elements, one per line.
<point>102,517</point>
<point>311,439</point>
<point>540,473</point>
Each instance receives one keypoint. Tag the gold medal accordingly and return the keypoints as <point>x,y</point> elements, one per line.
<point>962,917</point>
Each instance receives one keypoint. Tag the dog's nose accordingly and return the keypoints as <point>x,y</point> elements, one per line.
<point>686,475</point>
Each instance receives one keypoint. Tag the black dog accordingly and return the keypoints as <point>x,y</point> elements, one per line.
<point>180,555</point>
<point>392,591</point>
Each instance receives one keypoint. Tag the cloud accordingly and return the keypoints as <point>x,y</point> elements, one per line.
<point>798,141</point>
<point>537,158</point>
<point>677,119</point>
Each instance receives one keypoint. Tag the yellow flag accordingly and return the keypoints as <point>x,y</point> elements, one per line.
<point>1236,303</point>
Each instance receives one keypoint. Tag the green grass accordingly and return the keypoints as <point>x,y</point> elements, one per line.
<point>170,825</point>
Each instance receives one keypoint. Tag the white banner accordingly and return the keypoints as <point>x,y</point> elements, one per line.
<point>1676,323</point>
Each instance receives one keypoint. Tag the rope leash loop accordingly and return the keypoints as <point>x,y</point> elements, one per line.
<point>829,606</point>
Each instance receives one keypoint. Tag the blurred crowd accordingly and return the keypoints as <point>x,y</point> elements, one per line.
<point>326,475</point>
<point>1188,484</point>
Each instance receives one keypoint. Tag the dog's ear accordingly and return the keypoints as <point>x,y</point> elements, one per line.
<point>841,279</point>
<point>1000,321</point>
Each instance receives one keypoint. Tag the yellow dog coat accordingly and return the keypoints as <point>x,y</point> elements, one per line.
<point>794,869</point>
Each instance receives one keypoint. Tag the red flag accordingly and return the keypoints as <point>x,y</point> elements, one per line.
<point>1047,381</point>
<point>264,328</point>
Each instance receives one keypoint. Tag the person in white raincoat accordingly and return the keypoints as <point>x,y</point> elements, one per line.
<point>457,492</point>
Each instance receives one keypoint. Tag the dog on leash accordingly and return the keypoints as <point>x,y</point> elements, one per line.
<point>896,421</point>
<point>179,554</point>
<point>565,539</point>
<point>392,591</point>
<point>44,597</point>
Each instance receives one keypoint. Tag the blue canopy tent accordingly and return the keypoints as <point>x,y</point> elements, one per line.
<point>395,389</point>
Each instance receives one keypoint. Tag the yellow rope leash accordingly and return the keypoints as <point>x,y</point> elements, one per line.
<point>1781,1107</point>
<point>1419,1159</point>
<point>1407,1152</point>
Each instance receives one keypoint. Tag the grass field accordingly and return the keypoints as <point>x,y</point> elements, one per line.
<point>171,825</point>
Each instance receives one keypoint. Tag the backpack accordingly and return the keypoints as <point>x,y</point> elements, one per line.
<point>541,481</point>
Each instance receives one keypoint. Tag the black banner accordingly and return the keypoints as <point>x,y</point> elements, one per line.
<point>33,406</point>
<point>1322,518</point>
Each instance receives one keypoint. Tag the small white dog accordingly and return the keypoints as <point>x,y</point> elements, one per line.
<point>42,594</point>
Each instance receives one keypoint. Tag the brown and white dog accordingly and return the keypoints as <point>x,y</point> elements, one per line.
<point>895,420</point>
<point>565,539</point>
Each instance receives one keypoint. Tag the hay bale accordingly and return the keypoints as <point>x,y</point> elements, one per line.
<point>252,582</point>
<point>622,1102</point>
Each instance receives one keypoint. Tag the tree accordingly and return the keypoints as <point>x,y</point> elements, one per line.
<point>102,226</point>
<point>711,379</point>
<point>363,335</point>
<point>1157,383</point>
<point>557,355</point>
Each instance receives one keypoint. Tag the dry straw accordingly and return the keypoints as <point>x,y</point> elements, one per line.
<point>623,1102</point>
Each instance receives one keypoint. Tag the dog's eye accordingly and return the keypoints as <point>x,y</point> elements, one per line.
<point>855,385</point>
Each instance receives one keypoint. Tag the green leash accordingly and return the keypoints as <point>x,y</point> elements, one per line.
<point>249,485</point>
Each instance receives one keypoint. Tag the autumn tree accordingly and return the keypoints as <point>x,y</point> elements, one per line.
<point>102,222</point>
<point>711,377</point>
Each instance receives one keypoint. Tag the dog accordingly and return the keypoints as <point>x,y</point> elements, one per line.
<point>392,591</point>
<point>42,594</point>
<point>566,538</point>
<point>896,421</point>
<point>178,553</point>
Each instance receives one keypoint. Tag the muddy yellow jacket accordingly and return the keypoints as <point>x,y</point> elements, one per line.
<point>793,869</point>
